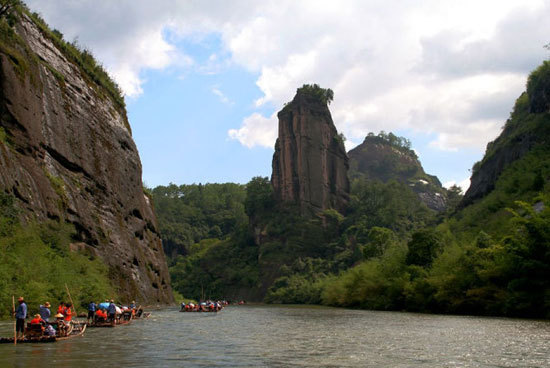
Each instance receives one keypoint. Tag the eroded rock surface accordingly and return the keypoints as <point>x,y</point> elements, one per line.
<point>69,155</point>
<point>310,163</point>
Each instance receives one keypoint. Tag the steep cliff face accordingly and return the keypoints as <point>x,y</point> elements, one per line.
<point>528,128</point>
<point>310,163</point>
<point>68,155</point>
<point>380,158</point>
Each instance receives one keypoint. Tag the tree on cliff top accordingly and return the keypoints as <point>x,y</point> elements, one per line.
<point>325,95</point>
<point>538,89</point>
<point>6,10</point>
<point>7,5</point>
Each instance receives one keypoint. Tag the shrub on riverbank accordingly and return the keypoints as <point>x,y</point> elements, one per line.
<point>36,262</point>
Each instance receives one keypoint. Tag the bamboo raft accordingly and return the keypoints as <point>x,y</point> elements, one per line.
<point>74,330</point>
<point>108,323</point>
<point>201,311</point>
<point>27,340</point>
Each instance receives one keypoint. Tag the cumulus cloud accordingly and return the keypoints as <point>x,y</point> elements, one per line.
<point>256,130</point>
<point>452,69</point>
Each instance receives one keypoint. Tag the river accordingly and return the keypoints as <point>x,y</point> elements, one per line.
<point>295,336</point>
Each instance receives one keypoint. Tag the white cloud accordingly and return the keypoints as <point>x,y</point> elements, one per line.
<point>448,68</point>
<point>464,184</point>
<point>256,130</point>
<point>223,98</point>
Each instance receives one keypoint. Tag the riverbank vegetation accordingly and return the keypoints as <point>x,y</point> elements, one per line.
<point>37,261</point>
<point>390,252</point>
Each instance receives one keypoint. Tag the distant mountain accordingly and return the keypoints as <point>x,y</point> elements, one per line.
<point>386,157</point>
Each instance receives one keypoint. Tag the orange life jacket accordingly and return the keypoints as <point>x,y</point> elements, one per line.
<point>68,314</point>
<point>36,321</point>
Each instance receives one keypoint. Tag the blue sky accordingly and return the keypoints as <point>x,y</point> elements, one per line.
<point>204,80</point>
<point>180,125</point>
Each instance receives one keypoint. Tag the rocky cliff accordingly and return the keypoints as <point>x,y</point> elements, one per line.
<point>310,163</point>
<point>527,129</point>
<point>67,154</point>
<point>387,157</point>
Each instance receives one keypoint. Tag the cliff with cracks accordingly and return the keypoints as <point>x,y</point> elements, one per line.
<point>386,157</point>
<point>67,154</point>
<point>310,163</point>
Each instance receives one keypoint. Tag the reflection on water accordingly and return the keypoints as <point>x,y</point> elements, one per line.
<point>283,336</point>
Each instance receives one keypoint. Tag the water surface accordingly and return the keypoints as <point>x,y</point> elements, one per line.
<point>291,336</point>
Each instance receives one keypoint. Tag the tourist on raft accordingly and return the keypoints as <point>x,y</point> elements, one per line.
<point>20,315</point>
<point>37,320</point>
<point>61,308</point>
<point>45,312</point>
<point>68,313</point>
<point>49,331</point>
<point>91,311</point>
<point>100,315</point>
<point>62,326</point>
<point>112,311</point>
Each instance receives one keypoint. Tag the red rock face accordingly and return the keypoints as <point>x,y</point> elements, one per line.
<point>310,164</point>
<point>70,156</point>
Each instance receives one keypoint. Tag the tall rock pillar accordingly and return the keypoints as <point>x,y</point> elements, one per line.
<point>310,164</point>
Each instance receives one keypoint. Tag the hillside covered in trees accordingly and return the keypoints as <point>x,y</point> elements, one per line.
<point>487,253</point>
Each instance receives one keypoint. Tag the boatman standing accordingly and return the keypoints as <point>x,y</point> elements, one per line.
<point>112,311</point>
<point>20,315</point>
<point>91,310</point>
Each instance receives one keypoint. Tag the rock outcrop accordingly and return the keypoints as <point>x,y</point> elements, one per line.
<point>68,155</point>
<point>384,158</point>
<point>310,163</point>
<point>526,130</point>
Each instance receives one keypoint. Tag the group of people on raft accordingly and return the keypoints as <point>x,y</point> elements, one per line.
<point>44,324</point>
<point>109,312</point>
<point>207,306</point>
<point>43,321</point>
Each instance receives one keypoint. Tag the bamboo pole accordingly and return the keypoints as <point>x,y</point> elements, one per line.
<point>72,303</point>
<point>15,322</point>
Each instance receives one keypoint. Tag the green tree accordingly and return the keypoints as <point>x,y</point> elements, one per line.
<point>538,88</point>
<point>380,239</point>
<point>528,262</point>
<point>7,10</point>
<point>423,247</point>
<point>454,196</point>
<point>259,196</point>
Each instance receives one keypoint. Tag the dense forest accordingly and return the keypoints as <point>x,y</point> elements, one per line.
<point>488,256</point>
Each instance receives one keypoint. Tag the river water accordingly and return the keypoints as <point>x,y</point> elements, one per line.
<point>295,336</point>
